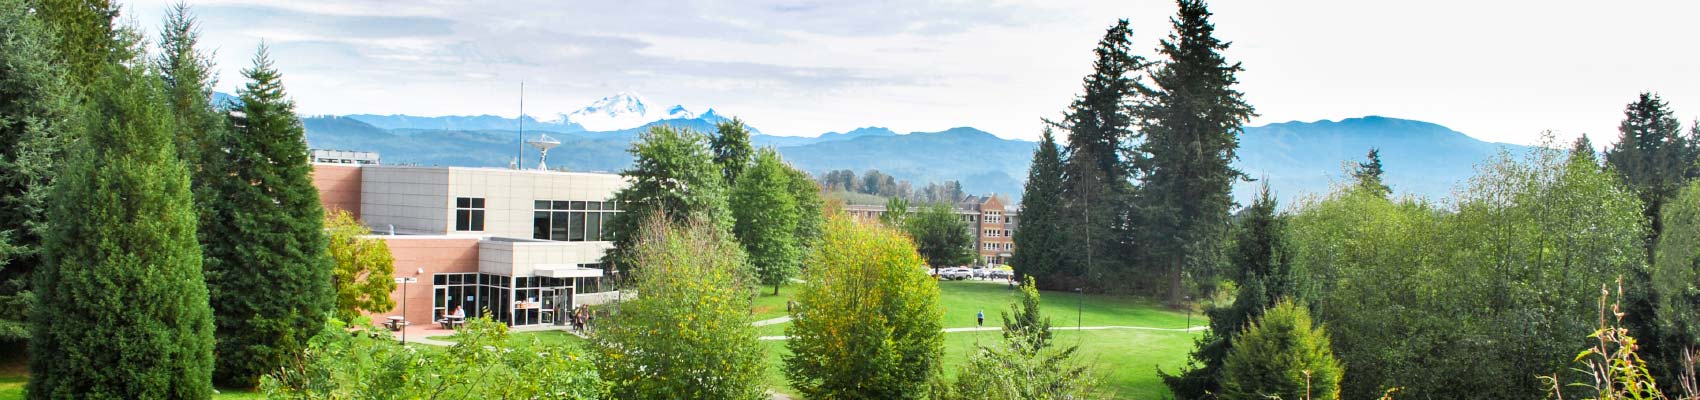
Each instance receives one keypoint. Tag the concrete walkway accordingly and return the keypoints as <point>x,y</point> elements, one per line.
<point>767,322</point>
<point>1054,328</point>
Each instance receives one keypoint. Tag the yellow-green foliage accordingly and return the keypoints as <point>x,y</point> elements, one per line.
<point>687,335</point>
<point>365,271</point>
<point>867,323</point>
<point>1281,356</point>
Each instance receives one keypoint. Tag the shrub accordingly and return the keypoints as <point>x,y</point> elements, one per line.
<point>347,364</point>
<point>688,336</point>
<point>1282,356</point>
<point>867,322</point>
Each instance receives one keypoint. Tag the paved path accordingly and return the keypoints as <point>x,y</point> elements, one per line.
<point>1054,328</point>
<point>767,322</point>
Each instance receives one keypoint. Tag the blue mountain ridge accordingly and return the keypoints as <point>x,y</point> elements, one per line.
<point>1295,158</point>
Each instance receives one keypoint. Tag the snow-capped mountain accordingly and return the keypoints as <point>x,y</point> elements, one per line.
<point>624,110</point>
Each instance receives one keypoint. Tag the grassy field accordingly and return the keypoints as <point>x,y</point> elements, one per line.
<point>1125,360</point>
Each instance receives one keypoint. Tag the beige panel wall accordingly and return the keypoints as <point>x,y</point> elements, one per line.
<point>414,199</point>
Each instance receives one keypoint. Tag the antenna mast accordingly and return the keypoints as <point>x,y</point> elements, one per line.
<point>519,146</point>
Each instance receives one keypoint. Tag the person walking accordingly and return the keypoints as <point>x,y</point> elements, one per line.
<point>980,319</point>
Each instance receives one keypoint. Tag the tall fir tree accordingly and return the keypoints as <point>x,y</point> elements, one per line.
<point>1261,264</point>
<point>1095,176</point>
<point>1192,127</point>
<point>1584,149</point>
<point>123,306</point>
<point>1368,173</point>
<point>672,174</point>
<point>732,151</point>
<point>267,263</point>
<point>83,31</point>
<point>1040,242</point>
<point>34,107</point>
<point>1654,159</point>
<point>188,75</point>
<point>766,219</point>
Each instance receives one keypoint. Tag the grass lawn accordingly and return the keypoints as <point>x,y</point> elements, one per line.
<point>1125,360</point>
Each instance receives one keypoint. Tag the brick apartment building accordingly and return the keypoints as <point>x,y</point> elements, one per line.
<point>992,223</point>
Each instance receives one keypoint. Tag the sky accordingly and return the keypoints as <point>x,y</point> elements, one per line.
<point>1502,71</point>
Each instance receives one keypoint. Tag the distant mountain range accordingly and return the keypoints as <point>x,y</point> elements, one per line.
<point>1295,158</point>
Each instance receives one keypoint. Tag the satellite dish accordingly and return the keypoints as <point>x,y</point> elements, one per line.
<point>543,143</point>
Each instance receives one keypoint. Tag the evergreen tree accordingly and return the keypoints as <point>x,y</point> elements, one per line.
<point>1282,355</point>
<point>188,76</point>
<point>896,212</point>
<point>672,174</point>
<point>1653,159</point>
<point>1095,187</point>
<point>1584,148</point>
<point>267,266</point>
<point>767,216</point>
<point>1262,266</point>
<point>84,33</point>
<point>1039,242</point>
<point>1024,322</point>
<point>124,309</point>
<point>732,151</point>
<point>34,106</point>
<point>1192,127</point>
<point>1368,173</point>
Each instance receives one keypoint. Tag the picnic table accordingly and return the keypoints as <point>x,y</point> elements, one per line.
<point>452,322</point>
<point>395,322</point>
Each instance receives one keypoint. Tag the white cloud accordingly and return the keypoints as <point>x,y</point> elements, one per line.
<point>1501,71</point>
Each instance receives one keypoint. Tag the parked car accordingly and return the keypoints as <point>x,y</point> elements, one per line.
<point>982,273</point>
<point>955,274</point>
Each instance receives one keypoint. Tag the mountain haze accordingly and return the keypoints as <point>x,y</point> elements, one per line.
<point>1295,158</point>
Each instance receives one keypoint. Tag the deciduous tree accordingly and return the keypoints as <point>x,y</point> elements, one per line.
<point>767,217</point>
<point>365,271</point>
<point>688,335</point>
<point>941,236</point>
<point>672,175</point>
<point>867,322</point>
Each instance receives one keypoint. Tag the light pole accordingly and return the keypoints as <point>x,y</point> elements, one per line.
<point>1079,305</point>
<point>403,322</point>
<point>1188,312</point>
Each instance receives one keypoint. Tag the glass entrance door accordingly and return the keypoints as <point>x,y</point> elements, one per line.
<point>548,298</point>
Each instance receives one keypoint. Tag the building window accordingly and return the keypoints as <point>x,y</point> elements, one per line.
<point>469,214</point>
<point>572,221</point>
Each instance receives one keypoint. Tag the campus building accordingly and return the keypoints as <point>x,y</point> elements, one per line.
<point>991,222</point>
<point>520,245</point>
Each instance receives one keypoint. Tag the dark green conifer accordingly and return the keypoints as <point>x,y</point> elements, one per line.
<point>122,305</point>
<point>1191,126</point>
<point>267,266</point>
<point>732,151</point>
<point>34,106</point>
<point>1040,241</point>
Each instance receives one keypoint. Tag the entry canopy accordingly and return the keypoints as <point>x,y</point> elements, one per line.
<point>565,271</point>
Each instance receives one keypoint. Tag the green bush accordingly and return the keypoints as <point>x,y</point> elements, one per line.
<point>365,364</point>
<point>867,322</point>
<point>1281,356</point>
<point>687,335</point>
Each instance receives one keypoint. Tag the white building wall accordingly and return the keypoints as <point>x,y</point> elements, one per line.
<point>520,257</point>
<point>509,195</point>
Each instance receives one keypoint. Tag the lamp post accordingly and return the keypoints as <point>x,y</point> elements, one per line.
<point>403,323</point>
<point>1079,305</point>
<point>1188,312</point>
